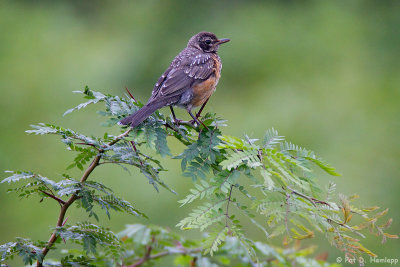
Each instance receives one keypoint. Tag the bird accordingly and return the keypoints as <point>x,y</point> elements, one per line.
<point>188,82</point>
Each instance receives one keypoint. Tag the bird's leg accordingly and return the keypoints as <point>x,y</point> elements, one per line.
<point>196,119</point>
<point>201,109</point>
<point>176,121</point>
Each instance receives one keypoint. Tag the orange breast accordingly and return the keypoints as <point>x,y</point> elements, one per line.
<point>203,90</point>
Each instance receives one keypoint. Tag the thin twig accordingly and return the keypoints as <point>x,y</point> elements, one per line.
<point>330,220</point>
<point>52,193</point>
<point>287,214</point>
<point>302,195</point>
<point>313,201</point>
<point>227,210</point>
<point>133,146</point>
<point>129,92</point>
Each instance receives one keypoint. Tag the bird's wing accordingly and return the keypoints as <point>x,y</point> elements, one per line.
<point>185,69</point>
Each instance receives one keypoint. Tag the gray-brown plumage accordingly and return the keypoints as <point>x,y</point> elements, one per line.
<point>188,82</point>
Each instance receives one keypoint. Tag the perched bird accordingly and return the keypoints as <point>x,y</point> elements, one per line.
<point>188,82</point>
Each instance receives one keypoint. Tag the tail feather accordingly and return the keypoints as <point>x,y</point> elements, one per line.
<point>139,116</point>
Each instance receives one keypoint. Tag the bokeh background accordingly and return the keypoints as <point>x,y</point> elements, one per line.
<point>326,74</point>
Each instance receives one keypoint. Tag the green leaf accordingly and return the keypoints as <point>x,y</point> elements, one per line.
<point>161,142</point>
<point>112,202</point>
<point>214,241</point>
<point>237,158</point>
<point>272,138</point>
<point>94,97</point>
<point>17,176</point>
<point>325,166</point>
<point>203,216</point>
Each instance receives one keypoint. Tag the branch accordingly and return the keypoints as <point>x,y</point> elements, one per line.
<point>145,258</point>
<point>330,221</point>
<point>59,200</point>
<point>313,201</point>
<point>72,199</point>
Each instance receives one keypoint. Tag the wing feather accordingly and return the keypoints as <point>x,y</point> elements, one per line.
<point>187,68</point>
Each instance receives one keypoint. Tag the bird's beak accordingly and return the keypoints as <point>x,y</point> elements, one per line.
<point>222,41</point>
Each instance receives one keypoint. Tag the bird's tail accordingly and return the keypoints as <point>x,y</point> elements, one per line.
<point>139,116</point>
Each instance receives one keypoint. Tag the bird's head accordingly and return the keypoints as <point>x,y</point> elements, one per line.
<point>206,42</point>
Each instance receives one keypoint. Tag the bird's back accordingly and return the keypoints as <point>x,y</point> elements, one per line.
<point>189,68</point>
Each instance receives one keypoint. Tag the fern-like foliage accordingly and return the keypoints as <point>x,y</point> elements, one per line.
<point>292,203</point>
<point>271,184</point>
<point>28,250</point>
<point>138,240</point>
<point>89,193</point>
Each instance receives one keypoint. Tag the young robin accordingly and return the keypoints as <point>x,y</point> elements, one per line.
<point>188,82</point>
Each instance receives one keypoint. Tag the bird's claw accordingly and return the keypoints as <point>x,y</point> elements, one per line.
<point>177,122</point>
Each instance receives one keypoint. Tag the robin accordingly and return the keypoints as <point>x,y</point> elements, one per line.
<point>188,82</point>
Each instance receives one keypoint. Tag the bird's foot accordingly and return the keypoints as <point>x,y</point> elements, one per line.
<point>178,122</point>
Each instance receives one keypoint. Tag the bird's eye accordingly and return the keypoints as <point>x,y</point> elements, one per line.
<point>208,41</point>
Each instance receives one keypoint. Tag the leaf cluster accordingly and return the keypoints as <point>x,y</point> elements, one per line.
<point>152,243</point>
<point>289,199</point>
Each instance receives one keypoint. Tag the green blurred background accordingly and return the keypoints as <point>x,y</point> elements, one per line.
<point>326,74</point>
